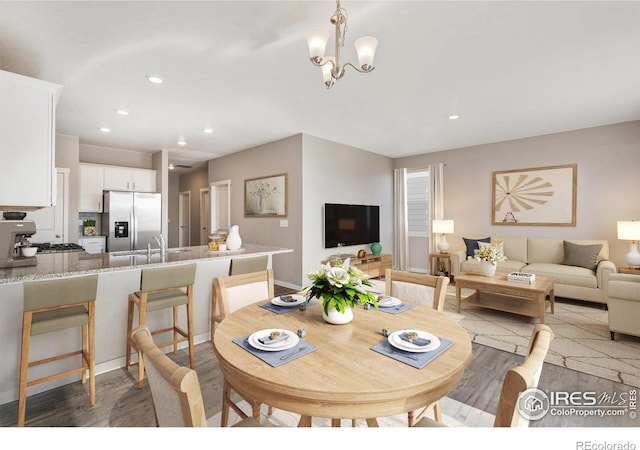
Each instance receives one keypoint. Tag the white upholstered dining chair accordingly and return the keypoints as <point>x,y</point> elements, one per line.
<point>177,398</point>
<point>516,381</point>
<point>427,290</point>
<point>232,293</point>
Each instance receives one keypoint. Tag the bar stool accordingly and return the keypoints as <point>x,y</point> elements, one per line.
<point>53,305</point>
<point>162,288</point>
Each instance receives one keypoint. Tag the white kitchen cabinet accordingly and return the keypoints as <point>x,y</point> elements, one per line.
<point>91,186</point>
<point>27,147</point>
<point>143,180</point>
<point>129,179</point>
<point>94,244</point>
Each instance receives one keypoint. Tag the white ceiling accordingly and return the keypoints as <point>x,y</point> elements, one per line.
<point>509,69</point>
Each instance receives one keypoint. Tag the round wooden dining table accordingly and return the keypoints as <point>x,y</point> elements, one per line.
<point>343,378</point>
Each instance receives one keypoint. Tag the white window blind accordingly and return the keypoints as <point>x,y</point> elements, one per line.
<point>418,202</point>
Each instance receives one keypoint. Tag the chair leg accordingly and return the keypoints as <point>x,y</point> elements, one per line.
<point>437,413</point>
<point>192,356</point>
<point>175,333</point>
<point>92,354</point>
<point>129,329</point>
<point>24,366</point>
<point>84,356</point>
<point>142,319</point>
<point>226,399</point>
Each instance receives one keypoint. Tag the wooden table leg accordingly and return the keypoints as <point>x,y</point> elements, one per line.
<point>373,422</point>
<point>458,295</point>
<point>552,299</point>
<point>542,305</point>
<point>305,421</point>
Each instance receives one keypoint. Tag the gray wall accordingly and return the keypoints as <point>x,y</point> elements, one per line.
<point>193,182</point>
<point>283,156</point>
<point>318,171</point>
<point>174,209</point>
<point>115,157</point>
<point>608,160</point>
<point>338,173</point>
<point>67,156</point>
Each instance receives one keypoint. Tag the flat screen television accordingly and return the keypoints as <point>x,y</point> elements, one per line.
<point>350,224</point>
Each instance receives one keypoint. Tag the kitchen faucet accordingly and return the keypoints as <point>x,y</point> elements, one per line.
<point>161,243</point>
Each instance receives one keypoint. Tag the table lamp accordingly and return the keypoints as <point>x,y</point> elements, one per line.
<point>630,231</point>
<point>443,227</point>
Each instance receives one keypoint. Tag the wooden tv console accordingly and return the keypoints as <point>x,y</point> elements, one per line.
<point>373,265</point>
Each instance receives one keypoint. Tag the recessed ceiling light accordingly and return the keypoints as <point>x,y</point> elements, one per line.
<point>154,79</point>
<point>122,112</point>
<point>105,129</point>
<point>454,117</point>
<point>182,142</point>
<point>208,130</point>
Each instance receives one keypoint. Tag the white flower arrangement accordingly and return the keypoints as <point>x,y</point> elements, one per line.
<point>489,253</point>
<point>339,286</point>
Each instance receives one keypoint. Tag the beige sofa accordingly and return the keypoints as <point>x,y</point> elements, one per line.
<point>544,257</point>
<point>623,294</point>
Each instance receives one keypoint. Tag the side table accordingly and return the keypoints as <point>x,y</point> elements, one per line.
<point>629,270</point>
<point>440,263</point>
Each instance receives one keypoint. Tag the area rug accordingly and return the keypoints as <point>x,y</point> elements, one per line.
<point>582,340</point>
<point>454,414</point>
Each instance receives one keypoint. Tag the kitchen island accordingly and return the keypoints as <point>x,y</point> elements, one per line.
<point>119,275</point>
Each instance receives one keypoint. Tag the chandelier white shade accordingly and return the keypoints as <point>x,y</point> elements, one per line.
<point>317,39</point>
<point>442,227</point>
<point>630,231</point>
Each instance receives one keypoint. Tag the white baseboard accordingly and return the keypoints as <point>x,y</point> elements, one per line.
<point>418,270</point>
<point>288,285</point>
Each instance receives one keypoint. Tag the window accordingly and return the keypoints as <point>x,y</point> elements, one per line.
<point>418,202</point>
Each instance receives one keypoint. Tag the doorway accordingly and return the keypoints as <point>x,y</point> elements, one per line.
<point>204,216</point>
<point>220,197</point>
<point>184,221</point>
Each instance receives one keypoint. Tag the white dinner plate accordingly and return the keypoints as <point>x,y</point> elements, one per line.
<point>396,341</point>
<point>388,302</point>
<point>296,297</point>
<point>284,344</point>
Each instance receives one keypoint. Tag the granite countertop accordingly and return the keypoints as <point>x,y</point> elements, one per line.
<point>56,265</point>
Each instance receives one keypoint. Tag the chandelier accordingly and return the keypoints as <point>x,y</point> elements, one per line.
<point>331,69</point>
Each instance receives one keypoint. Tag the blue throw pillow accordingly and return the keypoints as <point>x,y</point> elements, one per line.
<point>472,244</point>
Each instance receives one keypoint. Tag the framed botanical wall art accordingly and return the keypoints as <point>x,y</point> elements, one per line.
<point>266,196</point>
<point>544,196</point>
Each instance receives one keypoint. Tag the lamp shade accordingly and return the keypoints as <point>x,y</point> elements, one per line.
<point>443,226</point>
<point>629,230</point>
<point>317,41</point>
<point>327,67</point>
<point>366,50</point>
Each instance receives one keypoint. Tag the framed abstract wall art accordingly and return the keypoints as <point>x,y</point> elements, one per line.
<point>539,196</point>
<point>266,196</point>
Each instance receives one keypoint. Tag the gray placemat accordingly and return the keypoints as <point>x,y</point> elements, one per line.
<point>395,309</point>
<point>417,360</point>
<point>274,359</point>
<point>284,309</point>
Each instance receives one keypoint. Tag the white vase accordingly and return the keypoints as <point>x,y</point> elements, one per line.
<point>336,317</point>
<point>234,241</point>
<point>488,269</point>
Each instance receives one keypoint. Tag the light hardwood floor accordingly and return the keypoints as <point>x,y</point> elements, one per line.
<point>121,404</point>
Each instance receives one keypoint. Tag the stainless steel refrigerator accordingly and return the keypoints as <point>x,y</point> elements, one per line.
<point>131,219</point>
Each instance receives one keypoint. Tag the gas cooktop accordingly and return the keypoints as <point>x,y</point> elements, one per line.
<point>46,247</point>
